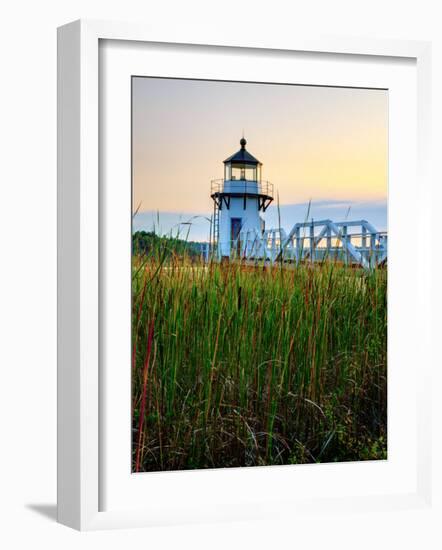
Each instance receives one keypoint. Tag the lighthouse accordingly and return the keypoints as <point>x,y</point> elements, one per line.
<point>239,199</point>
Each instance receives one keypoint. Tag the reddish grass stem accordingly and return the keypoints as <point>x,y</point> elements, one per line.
<point>143,395</point>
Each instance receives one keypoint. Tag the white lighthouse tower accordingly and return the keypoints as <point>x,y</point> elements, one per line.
<point>239,199</point>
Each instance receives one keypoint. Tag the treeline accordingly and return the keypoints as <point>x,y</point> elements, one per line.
<point>148,243</point>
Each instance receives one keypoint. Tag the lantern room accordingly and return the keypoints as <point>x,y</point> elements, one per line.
<point>242,166</point>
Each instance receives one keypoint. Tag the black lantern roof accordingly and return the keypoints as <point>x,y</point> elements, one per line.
<point>242,156</point>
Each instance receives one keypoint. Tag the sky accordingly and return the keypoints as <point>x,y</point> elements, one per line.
<point>321,144</point>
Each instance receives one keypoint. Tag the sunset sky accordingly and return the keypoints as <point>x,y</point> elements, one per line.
<point>327,145</point>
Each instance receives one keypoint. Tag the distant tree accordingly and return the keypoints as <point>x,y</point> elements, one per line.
<point>148,243</point>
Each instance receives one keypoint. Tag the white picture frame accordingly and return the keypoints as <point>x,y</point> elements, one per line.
<point>80,395</point>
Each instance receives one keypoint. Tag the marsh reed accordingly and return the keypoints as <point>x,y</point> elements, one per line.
<point>243,365</point>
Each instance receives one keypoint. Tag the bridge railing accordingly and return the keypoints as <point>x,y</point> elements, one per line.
<point>318,240</point>
<point>352,242</point>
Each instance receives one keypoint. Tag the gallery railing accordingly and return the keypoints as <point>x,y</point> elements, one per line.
<point>262,187</point>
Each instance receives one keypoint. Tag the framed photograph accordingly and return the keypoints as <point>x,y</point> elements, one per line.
<point>233,342</point>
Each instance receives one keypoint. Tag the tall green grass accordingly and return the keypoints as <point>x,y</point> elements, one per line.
<point>237,365</point>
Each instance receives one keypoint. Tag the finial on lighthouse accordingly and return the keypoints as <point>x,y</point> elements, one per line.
<point>243,142</point>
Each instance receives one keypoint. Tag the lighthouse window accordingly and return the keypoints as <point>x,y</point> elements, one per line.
<point>243,172</point>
